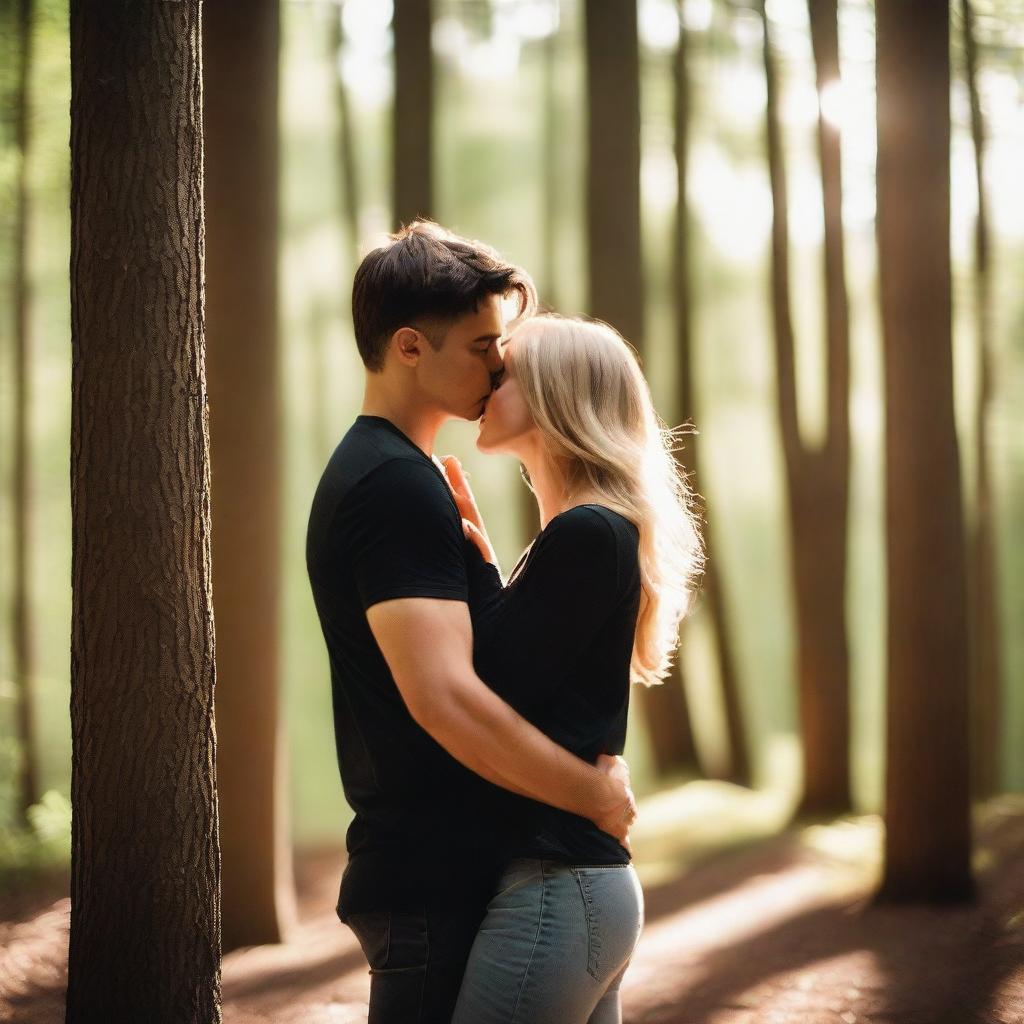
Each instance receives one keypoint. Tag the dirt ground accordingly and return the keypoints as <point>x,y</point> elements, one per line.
<point>776,931</point>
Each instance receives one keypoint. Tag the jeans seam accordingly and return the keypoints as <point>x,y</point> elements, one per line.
<point>536,942</point>
<point>593,938</point>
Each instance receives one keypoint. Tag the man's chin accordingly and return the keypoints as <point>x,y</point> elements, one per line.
<point>471,415</point>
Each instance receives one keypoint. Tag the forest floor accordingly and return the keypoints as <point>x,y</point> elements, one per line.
<point>743,927</point>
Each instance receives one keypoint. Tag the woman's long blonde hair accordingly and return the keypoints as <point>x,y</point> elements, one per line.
<point>584,387</point>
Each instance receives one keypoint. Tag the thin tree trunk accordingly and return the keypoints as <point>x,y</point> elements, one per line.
<point>983,565</point>
<point>550,193</point>
<point>319,384</point>
<point>349,194</point>
<point>414,112</point>
<point>816,480</point>
<point>549,219</point>
<point>145,865</point>
<point>21,599</point>
<point>240,97</point>
<point>928,829</point>
<point>737,765</point>
<point>615,274</point>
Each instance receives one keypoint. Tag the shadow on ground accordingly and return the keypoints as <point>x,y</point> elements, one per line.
<point>751,929</point>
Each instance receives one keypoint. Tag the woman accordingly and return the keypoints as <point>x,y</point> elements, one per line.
<point>594,603</point>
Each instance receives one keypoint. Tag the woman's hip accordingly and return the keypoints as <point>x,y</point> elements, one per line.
<point>554,939</point>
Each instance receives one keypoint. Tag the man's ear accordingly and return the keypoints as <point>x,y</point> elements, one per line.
<point>407,344</point>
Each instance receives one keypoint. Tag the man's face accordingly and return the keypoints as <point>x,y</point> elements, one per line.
<point>458,377</point>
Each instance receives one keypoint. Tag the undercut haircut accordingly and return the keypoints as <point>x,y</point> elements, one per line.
<point>427,277</point>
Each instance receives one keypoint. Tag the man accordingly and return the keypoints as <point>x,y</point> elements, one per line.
<point>417,731</point>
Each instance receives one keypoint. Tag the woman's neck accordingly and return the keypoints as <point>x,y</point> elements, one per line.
<point>550,486</point>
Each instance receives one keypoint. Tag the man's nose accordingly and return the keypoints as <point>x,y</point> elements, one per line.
<point>496,364</point>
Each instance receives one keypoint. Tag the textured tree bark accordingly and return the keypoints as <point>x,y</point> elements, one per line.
<point>240,112</point>
<point>986,667</point>
<point>145,869</point>
<point>413,126</point>
<point>928,828</point>
<point>816,480</point>
<point>24,666</point>
<point>615,272</point>
<point>737,765</point>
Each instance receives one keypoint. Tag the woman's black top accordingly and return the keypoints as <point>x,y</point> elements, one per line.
<point>556,644</point>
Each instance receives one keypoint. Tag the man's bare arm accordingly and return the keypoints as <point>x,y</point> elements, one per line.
<point>428,645</point>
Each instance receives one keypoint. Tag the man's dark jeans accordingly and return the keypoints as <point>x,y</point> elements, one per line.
<point>417,959</point>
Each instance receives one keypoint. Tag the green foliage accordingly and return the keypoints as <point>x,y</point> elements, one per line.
<point>41,845</point>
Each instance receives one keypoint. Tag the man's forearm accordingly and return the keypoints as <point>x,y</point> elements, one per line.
<point>428,644</point>
<point>490,738</point>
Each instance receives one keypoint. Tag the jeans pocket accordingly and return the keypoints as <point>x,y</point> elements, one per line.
<point>613,911</point>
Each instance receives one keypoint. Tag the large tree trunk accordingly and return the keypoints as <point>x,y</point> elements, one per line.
<point>736,767</point>
<point>240,96</point>
<point>817,480</point>
<point>615,273</point>
<point>145,867</point>
<point>413,124</point>
<point>928,829</point>
<point>983,565</point>
<point>21,598</point>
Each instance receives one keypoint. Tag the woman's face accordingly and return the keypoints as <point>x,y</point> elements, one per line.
<point>506,425</point>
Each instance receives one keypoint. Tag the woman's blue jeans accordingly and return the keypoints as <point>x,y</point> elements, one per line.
<point>553,947</point>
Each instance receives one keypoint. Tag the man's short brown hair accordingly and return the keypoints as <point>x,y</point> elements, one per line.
<point>428,277</point>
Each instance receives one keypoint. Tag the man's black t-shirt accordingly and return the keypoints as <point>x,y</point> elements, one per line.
<point>556,644</point>
<point>384,525</point>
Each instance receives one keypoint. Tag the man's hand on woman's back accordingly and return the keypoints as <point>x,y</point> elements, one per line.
<point>621,810</point>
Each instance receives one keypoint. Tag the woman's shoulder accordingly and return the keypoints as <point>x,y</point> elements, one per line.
<point>591,527</point>
<point>590,517</point>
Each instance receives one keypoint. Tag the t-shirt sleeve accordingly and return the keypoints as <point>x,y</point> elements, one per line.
<point>543,623</point>
<point>404,536</point>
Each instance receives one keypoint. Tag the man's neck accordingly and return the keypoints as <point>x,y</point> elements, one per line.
<point>418,424</point>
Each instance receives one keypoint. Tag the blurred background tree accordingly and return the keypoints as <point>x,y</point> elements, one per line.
<point>505,120</point>
<point>982,568</point>
<point>22,607</point>
<point>927,809</point>
<point>240,97</point>
<point>734,765</point>
<point>817,478</point>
